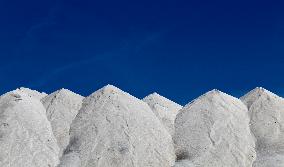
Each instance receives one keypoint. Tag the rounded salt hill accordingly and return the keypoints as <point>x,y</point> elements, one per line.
<point>213,131</point>
<point>26,138</point>
<point>115,129</point>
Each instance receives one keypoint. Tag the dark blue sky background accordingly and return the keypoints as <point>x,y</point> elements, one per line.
<point>180,49</point>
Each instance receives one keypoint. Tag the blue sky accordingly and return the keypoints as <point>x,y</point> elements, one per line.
<point>179,49</point>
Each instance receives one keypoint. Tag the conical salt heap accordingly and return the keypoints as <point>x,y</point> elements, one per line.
<point>165,109</point>
<point>26,138</point>
<point>62,107</point>
<point>115,129</point>
<point>213,131</point>
<point>266,112</point>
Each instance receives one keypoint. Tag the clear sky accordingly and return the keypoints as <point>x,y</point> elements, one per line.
<point>180,49</point>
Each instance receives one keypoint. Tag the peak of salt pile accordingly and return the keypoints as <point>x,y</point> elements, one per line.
<point>32,93</point>
<point>165,109</point>
<point>266,111</point>
<point>115,129</point>
<point>26,137</point>
<point>213,130</point>
<point>62,107</point>
<point>254,95</point>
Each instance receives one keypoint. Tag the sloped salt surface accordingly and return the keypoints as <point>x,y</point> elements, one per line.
<point>214,131</point>
<point>62,107</point>
<point>71,159</point>
<point>266,112</point>
<point>32,93</point>
<point>165,109</point>
<point>184,163</point>
<point>269,160</point>
<point>26,138</point>
<point>115,129</point>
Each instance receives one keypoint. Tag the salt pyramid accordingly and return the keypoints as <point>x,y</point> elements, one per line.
<point>26,138</point>
<point>32,93</point>
<point>165,109</point>
<point>213,131</point>
<point>115,129</point>
<point>266,111</point>
<point>62,107</point>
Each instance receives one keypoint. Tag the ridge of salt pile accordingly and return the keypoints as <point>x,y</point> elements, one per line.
<point>32,93</point>
<point>165,109</point>
<point>62,107</point>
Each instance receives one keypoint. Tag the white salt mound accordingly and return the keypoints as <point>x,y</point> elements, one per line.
<point>62,107</point>
<point>266,111</point>
<point>111,128</point>
<point>115,129</point>
<point>32,93</point>
<point>213,131</point>
<point>165,109</point>
<point>26,138</point>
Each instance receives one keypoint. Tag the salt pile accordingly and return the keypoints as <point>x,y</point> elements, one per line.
<point>111,128</point>
<point>115,129</point>
<point>61,108</point>
<point>213,130</point>
<point>165,109</point>
<point>266,111</point>
<point>26,138</point>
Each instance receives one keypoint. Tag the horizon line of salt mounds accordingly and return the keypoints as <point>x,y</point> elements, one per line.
<point>111,128</point>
